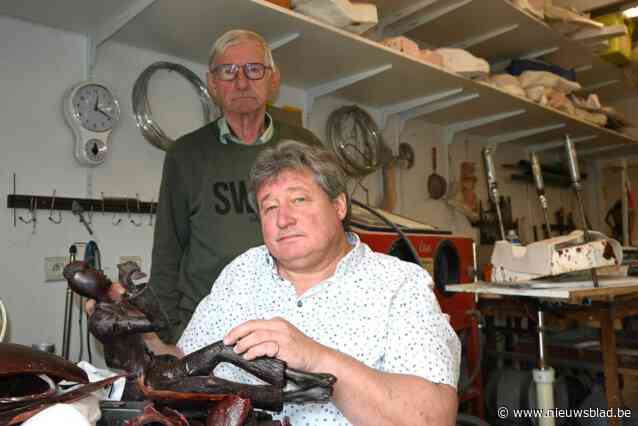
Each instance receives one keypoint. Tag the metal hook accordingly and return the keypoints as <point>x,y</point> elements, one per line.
<point>59,219</point>
<point>33,218</point>
<point>130,217</point>
<point>90,215</point>
<point>150,213</point>
<point>117,222</point>
<point>102,195</point>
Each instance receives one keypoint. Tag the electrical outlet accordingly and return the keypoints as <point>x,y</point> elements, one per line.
<point>136,259</point>
<point>53,267</point>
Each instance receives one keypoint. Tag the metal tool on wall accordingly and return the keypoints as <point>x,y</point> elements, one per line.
<point>78,210</point>
<point>540,190</point>
<point>572,161</point>
<point>492,186</point>
<point>437,186</point>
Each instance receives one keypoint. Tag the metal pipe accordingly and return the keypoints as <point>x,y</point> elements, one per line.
<point>575,175</point>
<point>68,310</point>
<point>540,190</point>
<point>625,206</point>
<point>541,339</point>
<point>492,186</point>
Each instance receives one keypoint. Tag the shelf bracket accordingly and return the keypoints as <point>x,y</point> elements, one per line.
<point>599,85</point>
<point>592,34</point>
<point>501,65</point>
<point>412,22</point>
<point>509,137</point>
<point>558,143</point>
<point>107,29</point>
<point>414,103</point>
<point>463,126</point>
<point>473,41</point>
<point>332,86</point>
<point>540,53</point>
<point>583,68</point>
<point>118,21</point>
<point>283,40</point>
<point>593,151</point>
<point>401,14</point>
<point>437,106</point>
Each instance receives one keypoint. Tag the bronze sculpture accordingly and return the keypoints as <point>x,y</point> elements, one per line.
<point>119,325</point>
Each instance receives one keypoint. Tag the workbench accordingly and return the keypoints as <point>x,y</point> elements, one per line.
<point>616,298</point>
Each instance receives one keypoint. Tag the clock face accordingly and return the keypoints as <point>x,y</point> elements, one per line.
<point>95,151</point>
<point>95,108</point>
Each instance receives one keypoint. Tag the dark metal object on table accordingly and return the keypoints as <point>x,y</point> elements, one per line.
<point>126,413</point>
<point>492,186</point>
<point>20,366</point>
<point>68,310</point>
<point>540,190</point>
<point>576,185</point>
<point>437,186</point>
<point>29,382</point>
<point>119,326</point>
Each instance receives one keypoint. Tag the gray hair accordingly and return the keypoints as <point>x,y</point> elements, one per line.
<point>235,37</point>
<point>293,155</point>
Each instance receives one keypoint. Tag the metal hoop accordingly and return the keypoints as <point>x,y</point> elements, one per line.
<point>345,126</point>
<point>142,110</point>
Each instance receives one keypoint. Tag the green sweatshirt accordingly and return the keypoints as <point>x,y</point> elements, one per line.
<point>204,219</point>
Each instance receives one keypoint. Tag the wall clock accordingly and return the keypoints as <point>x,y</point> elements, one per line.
<point>92,111</point>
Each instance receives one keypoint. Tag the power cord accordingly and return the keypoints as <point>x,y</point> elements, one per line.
<point>394,226</point>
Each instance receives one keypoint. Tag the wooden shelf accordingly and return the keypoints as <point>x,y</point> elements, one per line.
<point>320,59</point>
<point>530,35</point>
<point>320,55</point>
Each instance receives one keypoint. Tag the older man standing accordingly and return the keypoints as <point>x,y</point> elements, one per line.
<point>317,298</point>
<point>204,219</point>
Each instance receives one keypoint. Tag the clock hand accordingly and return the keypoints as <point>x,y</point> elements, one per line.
<point>101,111</point>
<point>97,102</point>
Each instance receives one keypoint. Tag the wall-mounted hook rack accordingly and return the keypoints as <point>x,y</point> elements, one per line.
<point>43,202</point>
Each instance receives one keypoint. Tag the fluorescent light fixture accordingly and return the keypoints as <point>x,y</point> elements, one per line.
<point>632,12</point>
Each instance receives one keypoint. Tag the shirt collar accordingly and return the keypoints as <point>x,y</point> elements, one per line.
<point>343,267</point>
<point>226,134</point>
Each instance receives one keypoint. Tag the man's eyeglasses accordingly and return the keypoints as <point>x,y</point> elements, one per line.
<point>228,72</point>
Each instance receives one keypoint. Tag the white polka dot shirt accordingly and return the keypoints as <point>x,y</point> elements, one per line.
<point>375,308</point>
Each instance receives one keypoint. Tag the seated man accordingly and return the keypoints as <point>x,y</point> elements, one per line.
<point>317,298</point>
